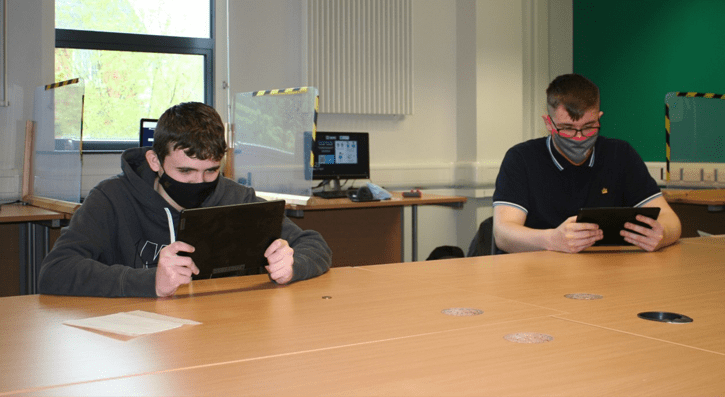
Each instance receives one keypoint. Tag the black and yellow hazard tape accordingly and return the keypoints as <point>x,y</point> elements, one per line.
<point>61,84</point>
<point>286,91</point>
<point>314,128</point>
<point>700,95</point>
<point>314,122</point>
<point>667,141</point>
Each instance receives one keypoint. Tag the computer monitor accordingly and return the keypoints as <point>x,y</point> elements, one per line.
<point>146,133</point>
<point>340,155</point>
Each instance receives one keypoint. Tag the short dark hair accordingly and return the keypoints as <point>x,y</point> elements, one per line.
<point>575,92</point>
<point>193,127</point>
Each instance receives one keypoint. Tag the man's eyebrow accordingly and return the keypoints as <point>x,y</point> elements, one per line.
<point>185,169</point>
<point>571,125</point>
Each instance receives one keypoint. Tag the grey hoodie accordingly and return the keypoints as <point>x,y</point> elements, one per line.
<point>111,246</point>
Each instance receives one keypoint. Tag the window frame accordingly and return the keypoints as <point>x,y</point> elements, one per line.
<point>95,40</point>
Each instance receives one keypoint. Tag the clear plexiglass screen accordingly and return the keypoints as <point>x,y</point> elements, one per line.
<point>273,134</point>
<point>56,169</point>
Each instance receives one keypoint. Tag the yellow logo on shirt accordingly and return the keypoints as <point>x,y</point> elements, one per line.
<point>604,190</point>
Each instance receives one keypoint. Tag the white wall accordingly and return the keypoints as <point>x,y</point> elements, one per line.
<point>480,68</point>
<point>30,44</point>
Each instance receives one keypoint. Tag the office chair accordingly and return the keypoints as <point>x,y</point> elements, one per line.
<point>483,242</point>
<point>445,252</point>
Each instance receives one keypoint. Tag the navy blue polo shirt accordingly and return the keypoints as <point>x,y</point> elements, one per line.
<point>537,179</point>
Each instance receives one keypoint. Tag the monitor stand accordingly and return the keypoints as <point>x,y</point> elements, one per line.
<point>331,185</point>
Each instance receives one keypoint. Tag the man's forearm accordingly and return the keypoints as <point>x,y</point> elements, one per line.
<point>518,238</point>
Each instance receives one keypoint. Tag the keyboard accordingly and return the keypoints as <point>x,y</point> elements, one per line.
<point>288,198</point>
<point>333,194</point>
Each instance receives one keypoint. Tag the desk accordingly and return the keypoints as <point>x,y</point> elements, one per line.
<point>28,217</point>
<point>382,331</point>
<point>366,233</point>
<point>700,209</point>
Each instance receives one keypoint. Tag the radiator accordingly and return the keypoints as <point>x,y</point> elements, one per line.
<point>360,55</point>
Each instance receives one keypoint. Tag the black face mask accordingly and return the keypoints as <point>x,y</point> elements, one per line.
<point>187,195</point>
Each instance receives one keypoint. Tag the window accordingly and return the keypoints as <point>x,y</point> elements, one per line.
<point>136,58</point>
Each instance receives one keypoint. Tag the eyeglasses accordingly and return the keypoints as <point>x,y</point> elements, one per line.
<point>571,132</point>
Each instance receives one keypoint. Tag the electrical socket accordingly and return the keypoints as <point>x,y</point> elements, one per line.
<point>709,174</point>
<point>720,174</point>
<point>692,174</point>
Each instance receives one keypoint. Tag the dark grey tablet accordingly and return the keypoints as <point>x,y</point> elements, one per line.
<point>230,240</point>
<point>612,219</point>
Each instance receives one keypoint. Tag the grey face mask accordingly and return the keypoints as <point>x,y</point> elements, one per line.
<point>575,151</point>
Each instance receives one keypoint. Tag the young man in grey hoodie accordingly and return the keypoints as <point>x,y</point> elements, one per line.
<point>118,242</point>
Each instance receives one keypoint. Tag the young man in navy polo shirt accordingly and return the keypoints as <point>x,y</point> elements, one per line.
<point>543,182</point>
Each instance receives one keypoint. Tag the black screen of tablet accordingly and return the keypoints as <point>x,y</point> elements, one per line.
<point>230,240</point>
<point>612,219</point>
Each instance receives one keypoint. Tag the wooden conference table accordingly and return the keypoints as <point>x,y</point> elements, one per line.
<point>366,233</point>
<point>382,330</point>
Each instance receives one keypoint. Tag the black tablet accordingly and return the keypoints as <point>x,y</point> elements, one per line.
<point>230,240</point>
<point>612,219</point>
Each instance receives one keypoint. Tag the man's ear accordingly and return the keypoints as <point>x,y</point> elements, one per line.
<point>547,122</point>
<point>153,160</point>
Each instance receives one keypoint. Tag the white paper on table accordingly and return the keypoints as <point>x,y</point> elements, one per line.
<point>133,323</point>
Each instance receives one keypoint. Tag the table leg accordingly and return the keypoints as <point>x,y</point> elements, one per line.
<point>414,232</point>
<point>30,258</point>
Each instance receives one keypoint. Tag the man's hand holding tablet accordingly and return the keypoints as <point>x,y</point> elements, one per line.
<point>174,270</point>
<point>625,225</point>
<point>573,237</point>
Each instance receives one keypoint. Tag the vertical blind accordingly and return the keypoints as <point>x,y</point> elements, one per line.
<point>360,55</point>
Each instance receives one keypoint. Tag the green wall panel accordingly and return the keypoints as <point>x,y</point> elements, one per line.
<point>637,51</point>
